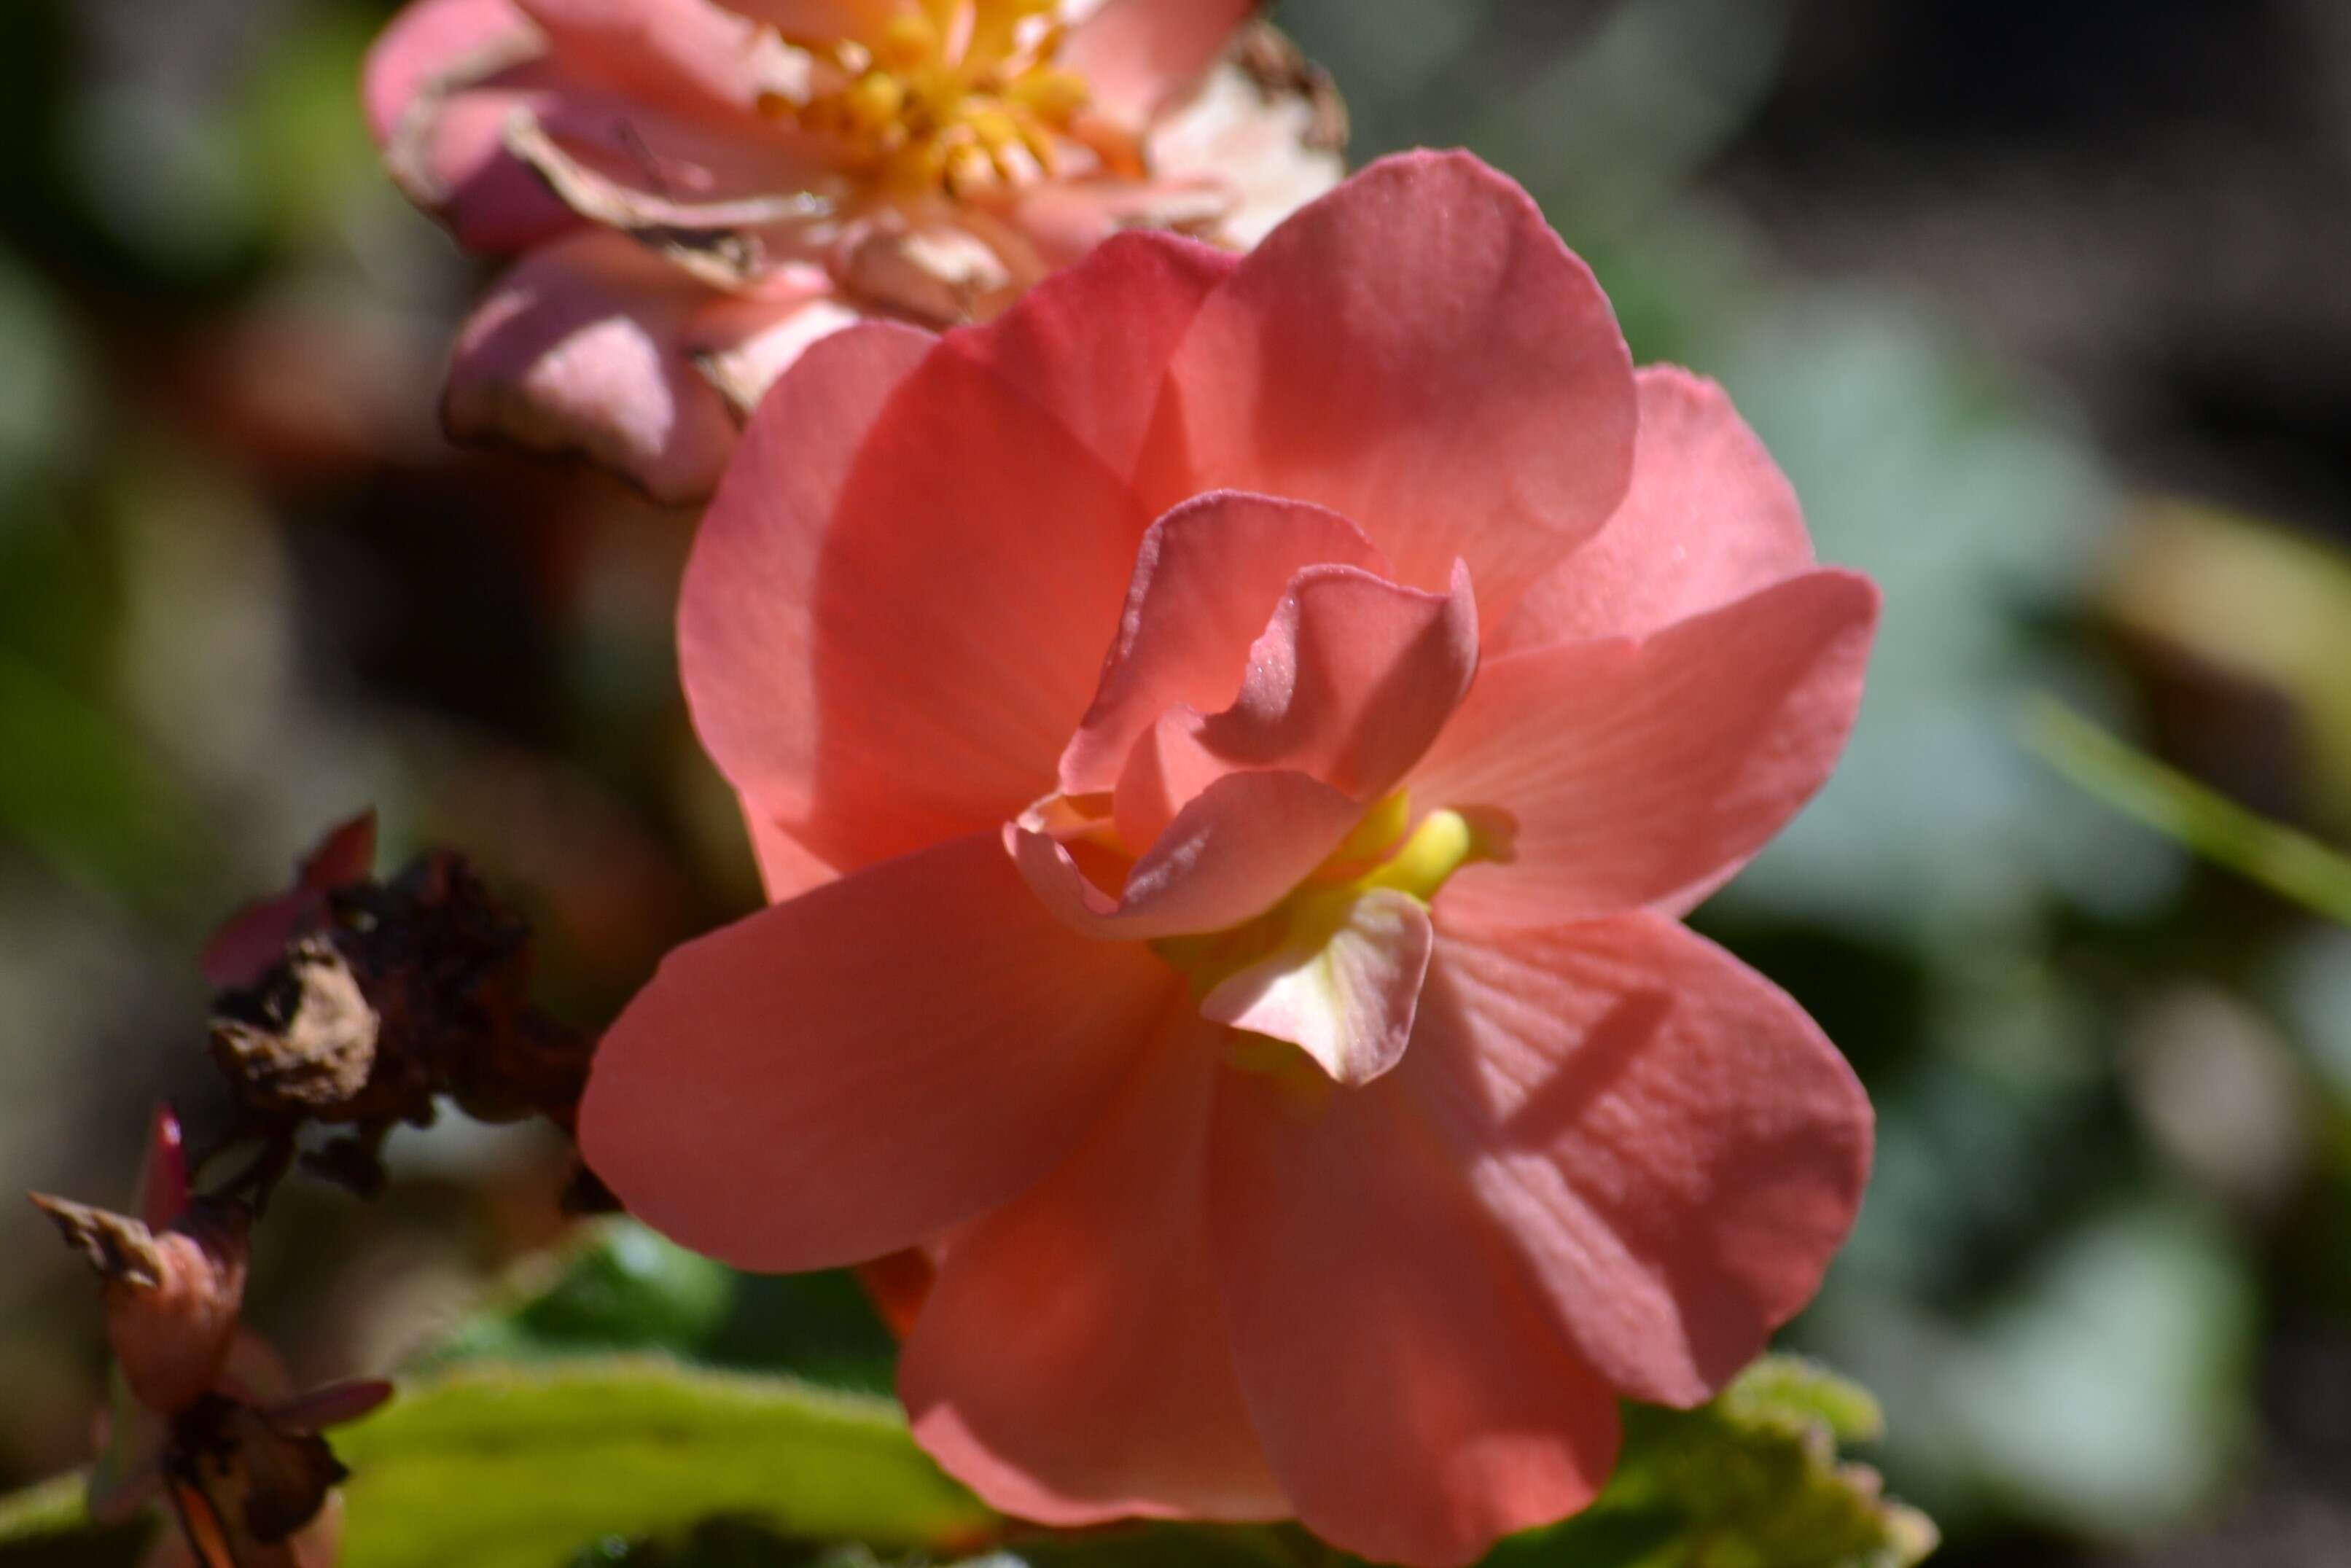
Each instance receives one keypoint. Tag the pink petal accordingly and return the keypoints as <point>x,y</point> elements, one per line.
<point>1675,1147</point>
<point>890,651</point>
<point>1230,855</point>
<point>427,40</point>
<point>1138,55</point>
<point>787,868</point>
<point>1353,680</point>
<point>1412,1393</point>
<point>1345,994</point>
<point>839,1076</point>
<point>1418,353</point>
<point>1709,519</point>
<point>820,18</point>
<point>163,1187</point>
<point>686,56</point>
<point>439,87</point>
<point>756,556</point>
<point>580,350</point>
<point>1071,1363</point>
<point>1349,684</point>
<point>1102,386</point>
<point>1626,773</point>
<point>1208,577</point>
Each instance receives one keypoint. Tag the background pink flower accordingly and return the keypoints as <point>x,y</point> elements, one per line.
<point>699,189</point>
<point>1284,1024</point>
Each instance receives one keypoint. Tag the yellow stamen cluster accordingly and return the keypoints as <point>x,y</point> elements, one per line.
<point>955,95</point>
<point>1371,858</point>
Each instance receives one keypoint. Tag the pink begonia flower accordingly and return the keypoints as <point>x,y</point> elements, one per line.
<point>698,190</point>
<point>1283,1026</point>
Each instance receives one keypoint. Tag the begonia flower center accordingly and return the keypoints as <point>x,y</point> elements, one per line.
<point>1379,855</point>
<point>959,96</point>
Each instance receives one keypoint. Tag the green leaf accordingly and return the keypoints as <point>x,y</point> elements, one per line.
<point>620,1286</point>
<point>1752,1480</point>
<point>54,1507</point>
<point>512,1468</point>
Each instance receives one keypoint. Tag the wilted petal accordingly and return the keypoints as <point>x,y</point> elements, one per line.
<point>439,87</point>
<point>691,58</point>
<point>1709,518</point>
<point>1411,1390</point>
<point>843,1075</point>
<point>1418,353</point>
<point>1669,1142</point>
<point>580,349</point>
<point>1632,773</point>
<point>1071,1363</point>
<point>1140,55</point>
<point>1266,129</point>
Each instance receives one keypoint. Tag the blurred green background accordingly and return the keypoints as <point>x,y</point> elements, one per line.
<point>2042,306</point>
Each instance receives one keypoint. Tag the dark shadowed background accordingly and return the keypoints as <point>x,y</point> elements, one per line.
<point>2046,305</point>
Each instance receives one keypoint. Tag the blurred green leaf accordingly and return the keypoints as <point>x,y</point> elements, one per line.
<point>2290,863</point>
<point>620,1286</point>
<point>1751,1480</point>
<point>54,1507</point>
<point>505,1467</point>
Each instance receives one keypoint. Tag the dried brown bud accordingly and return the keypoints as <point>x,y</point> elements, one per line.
<point>307,1046</point>
<point>400,994</point>
<point>172,1297</point>
<point>244,1481</point>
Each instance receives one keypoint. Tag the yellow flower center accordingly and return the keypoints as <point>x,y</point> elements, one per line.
<point>958,96</point>
<point>1371,858</point>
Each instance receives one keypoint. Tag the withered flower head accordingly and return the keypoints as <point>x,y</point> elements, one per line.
<point>174,1282</point>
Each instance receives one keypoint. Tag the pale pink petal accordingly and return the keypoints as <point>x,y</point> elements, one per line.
<point>1071,1364</point>
<point>1418,353</point>
<point>429,40</point>
<point>439,87</point>
<point>1230,855</point>
<point>1207,579</point>
<point>743,345</point>
<point>1102,386</point>
<point>840,1076</point>
<point>1673,1146</point>
<point>1709,518</point>
<point>1265,130</point>
<point>1139,55</point>
<point>1344,991</point>
<point>1413,1395</point>
<point>580,350</point>
<point>895,651</point>
<point>691,58</point>
<point>1621,773</point>
<point>787,868</point>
